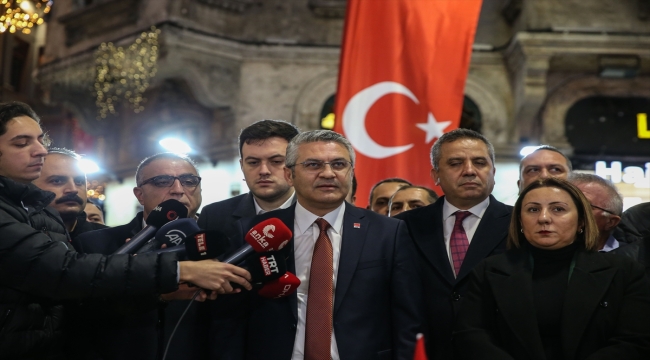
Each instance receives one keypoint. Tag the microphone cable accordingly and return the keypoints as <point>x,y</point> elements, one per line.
<point>179,322</point>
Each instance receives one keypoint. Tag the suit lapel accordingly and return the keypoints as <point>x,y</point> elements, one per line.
<point>427,232</point>
<point>491,231</point>
<point>245,208</point>
<point>589,282</point>
<point>352,243</point>
<point>516,306</point>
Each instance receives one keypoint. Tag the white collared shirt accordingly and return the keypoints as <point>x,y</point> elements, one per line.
<point>469,224</point>
<point>611,244</point>
<point>305,234</point>
<point>289,202</point>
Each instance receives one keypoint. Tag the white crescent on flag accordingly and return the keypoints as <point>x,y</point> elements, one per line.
<point>354,119</point>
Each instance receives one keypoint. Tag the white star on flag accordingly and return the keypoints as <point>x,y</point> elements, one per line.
<point>433,128</point>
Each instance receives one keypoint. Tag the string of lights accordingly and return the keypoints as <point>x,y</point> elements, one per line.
<point>123,73</point>
<point>23,15</point>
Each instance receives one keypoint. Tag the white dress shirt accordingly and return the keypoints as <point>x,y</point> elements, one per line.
<point>289,202</point>
<point>305,234</point>
<point>469,224</point>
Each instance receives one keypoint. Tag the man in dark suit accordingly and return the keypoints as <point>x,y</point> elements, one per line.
<point>139,328</point>
<point>359,296</point>
<point>62,175</point>
<point>456,232</point>
<point>262,147</point>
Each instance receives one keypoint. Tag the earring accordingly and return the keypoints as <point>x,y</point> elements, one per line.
<point>580,232</point>
<point>522,230</point>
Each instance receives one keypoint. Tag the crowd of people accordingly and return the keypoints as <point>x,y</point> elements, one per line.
<point>561,275</point>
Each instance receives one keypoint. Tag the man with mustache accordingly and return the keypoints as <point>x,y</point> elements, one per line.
<point>40,269</point>
<point>456,232</point>
<point>62,175</point>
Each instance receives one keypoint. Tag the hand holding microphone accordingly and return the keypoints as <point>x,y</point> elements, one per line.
<point>268,235</point>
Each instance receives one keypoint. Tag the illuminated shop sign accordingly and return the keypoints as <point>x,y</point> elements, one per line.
<point>635,175</point>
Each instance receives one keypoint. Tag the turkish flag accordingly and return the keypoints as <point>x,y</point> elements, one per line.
<point>401,82</point>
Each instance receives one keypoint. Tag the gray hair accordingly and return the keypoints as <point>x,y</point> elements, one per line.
<point>65,152</point>
<point>454,135</point>
<point>614,202</point>
<point>316,136</point>
<point>159,156</point>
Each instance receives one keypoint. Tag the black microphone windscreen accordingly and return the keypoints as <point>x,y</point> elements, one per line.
<point>206,245</point>
<point>175,232</point>
<point>267,266</point>
<point>165,212</point>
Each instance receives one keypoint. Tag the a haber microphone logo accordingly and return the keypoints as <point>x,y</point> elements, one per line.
<point>269,265</point>
<point>201,245</point>
<point>172,215</point>
<point>157,208</point>
<point>175,236</point>
<point>267,230</point>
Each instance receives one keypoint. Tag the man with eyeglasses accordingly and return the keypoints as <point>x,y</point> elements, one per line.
<point>62,175</point>
<point>42,273</point>
<point>607,206</point>
<point>359,296</point>
<point>143,330</point>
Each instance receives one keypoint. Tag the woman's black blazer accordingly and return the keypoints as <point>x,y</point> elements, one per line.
<point>606,312</point>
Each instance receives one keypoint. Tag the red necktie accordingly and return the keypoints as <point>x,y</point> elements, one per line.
<point>458,242</point>
<point>318,326</point>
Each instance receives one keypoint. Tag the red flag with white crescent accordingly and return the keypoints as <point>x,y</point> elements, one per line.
<point>401,82</point>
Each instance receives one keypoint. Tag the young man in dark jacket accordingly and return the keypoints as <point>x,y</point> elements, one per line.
<point>39,268</point>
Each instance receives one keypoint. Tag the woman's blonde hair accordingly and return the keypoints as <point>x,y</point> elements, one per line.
<point>589,235</point>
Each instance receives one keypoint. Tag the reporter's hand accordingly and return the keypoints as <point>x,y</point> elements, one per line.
<point>215,275</point>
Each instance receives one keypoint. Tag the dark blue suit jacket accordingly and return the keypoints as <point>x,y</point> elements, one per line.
<point>442,291</point>
<point>377,309</point>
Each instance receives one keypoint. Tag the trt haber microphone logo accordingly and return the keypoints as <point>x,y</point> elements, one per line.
<point>201,245</point>
<point>172,215</point>
<point>175,236</point>
<point>269,265</point>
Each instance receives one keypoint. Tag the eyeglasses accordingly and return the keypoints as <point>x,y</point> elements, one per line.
<point>599,208</point>
<point>163,181</point>
<point>318,165</point>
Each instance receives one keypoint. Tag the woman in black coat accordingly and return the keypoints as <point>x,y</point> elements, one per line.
<point>551,295</point>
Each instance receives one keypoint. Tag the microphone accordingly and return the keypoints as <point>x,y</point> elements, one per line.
<point>200,245</point>
<point>266,267</point>
<point>281,287</point>
<point>171,234</point>
<point>204,245</point>
<point>269,235</point>
<point>167,211</point>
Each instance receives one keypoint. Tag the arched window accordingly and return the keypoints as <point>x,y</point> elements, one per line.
<point>471,115</point>
<point>327,120</point>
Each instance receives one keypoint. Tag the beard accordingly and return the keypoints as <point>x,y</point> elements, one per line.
<point>69,215</point>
